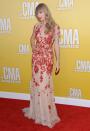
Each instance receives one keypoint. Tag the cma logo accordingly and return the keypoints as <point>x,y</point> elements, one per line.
<point>65,4</point>
<point>11,75</point>
<point>5,25</point>
<point>69,38</point>
<point>75,93</point>
<point>23,49</point>
<point>28,9</point>
<point>82,66</point>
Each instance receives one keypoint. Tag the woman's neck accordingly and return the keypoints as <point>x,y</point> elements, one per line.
<point>43,22</point>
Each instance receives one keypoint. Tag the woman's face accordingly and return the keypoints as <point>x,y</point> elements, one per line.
<point>41,15</point>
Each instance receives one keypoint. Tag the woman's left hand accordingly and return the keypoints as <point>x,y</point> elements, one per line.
<point>57,69</point>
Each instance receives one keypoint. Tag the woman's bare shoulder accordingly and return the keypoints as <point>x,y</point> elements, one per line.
<point>56,30</point>
<point>36,25</point>
<point>56,27</point>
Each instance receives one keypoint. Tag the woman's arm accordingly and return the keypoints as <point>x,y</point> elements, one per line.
<point>57,47</point>
<point>32,38</point>
<point>57,52</point>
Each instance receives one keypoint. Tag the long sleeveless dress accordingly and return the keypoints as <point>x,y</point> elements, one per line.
<point>42,107</point>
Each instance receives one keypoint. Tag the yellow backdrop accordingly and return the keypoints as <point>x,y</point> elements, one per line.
<point>16,23</point>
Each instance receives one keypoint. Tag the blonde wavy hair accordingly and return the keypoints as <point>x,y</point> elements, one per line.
<point>50,23</point>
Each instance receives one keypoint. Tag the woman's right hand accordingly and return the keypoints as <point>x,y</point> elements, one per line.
<point>33,45</point>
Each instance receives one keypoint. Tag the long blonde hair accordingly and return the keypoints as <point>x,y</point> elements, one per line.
<point>50,23</point>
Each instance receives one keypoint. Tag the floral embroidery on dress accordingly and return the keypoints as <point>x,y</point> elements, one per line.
<point>42,107</point>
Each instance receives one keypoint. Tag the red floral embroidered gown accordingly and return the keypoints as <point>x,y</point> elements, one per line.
<point>42,108</point>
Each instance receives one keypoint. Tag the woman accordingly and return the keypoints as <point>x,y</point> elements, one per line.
<point>45,35</point>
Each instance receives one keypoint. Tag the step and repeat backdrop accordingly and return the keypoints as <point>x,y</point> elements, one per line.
<point>17,19</point>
